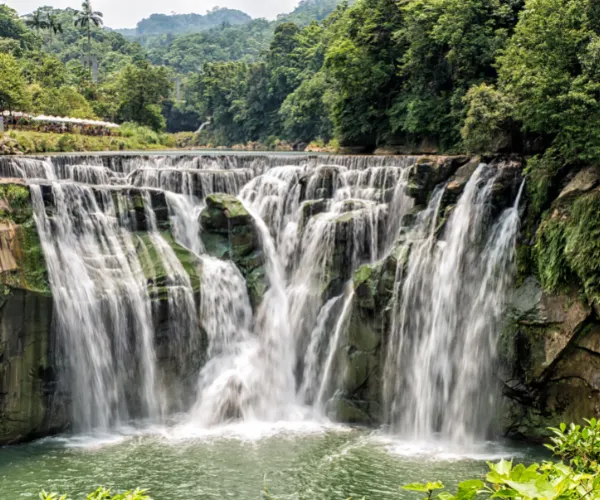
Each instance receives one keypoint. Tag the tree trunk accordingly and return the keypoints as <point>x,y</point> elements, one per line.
<point>89,50</point>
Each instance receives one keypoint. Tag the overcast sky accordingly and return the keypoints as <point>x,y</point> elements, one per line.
<point>126,13</point>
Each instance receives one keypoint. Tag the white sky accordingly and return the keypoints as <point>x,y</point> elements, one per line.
<point>126,13</point>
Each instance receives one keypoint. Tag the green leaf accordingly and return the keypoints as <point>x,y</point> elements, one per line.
<point>468,489</point>
<point>423,487</point>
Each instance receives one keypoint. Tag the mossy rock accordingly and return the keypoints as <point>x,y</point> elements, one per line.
<point>22,262</point>
<point>153,267</point>
<point>344,408</point>
<point>567,249</point>
<point>224,212</point>
<point>229,233</point>
<point>309,209</point>
<point>428,172</point>
<point>30,404</point>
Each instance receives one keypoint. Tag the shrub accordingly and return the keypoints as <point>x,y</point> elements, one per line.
<point>577,479</point>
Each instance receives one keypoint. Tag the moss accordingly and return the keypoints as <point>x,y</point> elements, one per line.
<point>18,208</point>
<point>32,260</point>
<point>154,270</point>
<point>550,244</point>
<point>543,175</point>
<point>231,206</point>
<point>568,246</point>
<point>31,272</point>
<point>363,274</point>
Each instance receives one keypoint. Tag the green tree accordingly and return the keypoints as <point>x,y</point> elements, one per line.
<point>61,101</point>
<point>13,28</point>
<point>449,46</point>
<point>37,20</point>
<point>304,112</point>
<point>362,64</point>
<point>549,71</point>
<point>142,90</point>
<point>488,124</point>
<point>54,24</point>
<point>14,94</point>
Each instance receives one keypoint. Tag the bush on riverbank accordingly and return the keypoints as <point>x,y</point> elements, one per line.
<point>575,477</point>
<point>131,137</point>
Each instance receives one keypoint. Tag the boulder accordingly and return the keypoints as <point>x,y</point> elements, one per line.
<point>31,405</point>
<point>229,233</point>
<point>552,348</point>
<point>428,172</point>
<point>359,400</point>
<point>585,180</point>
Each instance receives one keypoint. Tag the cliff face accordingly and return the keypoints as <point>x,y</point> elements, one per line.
<point>30,403</point>
<point>551,344</point>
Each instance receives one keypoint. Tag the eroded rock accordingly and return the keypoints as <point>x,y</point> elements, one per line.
<point>229,233</point>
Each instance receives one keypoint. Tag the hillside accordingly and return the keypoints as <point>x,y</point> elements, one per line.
<point>179,24</point>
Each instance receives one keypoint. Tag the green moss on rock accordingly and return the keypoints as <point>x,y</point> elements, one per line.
<point>567,246</point>
<point>229,233</point>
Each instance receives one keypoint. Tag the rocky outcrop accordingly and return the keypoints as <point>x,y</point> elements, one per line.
<point>358,400</point>
<point>30,404</point>
<point>551,343</point>
<point>551,346</point>
<point>229,232</point>
<point>33,400</point>
<point>428,172</point>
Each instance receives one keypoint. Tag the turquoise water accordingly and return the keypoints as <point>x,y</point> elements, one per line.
<point>307,461</point>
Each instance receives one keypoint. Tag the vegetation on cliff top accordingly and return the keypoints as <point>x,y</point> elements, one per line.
<point>443,75</point>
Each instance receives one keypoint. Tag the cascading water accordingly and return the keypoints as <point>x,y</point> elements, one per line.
<point>439,375</point>
<point>108,226</point>
<point>102,306</point>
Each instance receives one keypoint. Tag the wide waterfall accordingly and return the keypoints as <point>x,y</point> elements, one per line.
<point>223,287</point>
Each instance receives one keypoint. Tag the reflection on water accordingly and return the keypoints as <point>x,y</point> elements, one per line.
<point>318,461</point>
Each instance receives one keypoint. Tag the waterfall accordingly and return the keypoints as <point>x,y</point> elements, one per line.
<point>102,307</point>
<point>185,218</point>
<point>226,314</point>
<point>439,374</point>
<point>151,323</point>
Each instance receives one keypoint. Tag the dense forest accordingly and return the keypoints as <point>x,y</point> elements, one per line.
<point>158,24</point>
<point>430,75</point>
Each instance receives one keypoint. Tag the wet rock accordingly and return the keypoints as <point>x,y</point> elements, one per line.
<point>354,234</point>
<point>309,209</point>
<point>507,183</point>
<point>362,353</point>
<point>321,183</point>
<point>459,180</point>
<point>352,411</point>
<point>584,181</point>
<point>428,172</point>
<point>229,233</point>
<point>30,403</point>
<point>553,342</point>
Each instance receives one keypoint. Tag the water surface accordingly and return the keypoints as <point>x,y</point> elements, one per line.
<point>300,460</point>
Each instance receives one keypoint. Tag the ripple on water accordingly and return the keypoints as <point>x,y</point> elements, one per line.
<point>319,460</point>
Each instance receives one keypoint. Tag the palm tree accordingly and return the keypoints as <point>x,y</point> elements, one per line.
<point>36,20</point>
<point>54,24</point>
<point>86,18</point>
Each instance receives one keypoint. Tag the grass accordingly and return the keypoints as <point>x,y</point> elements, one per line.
<point>130,138</point>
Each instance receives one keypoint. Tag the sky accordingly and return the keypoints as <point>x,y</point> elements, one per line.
<point>126,13</point>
